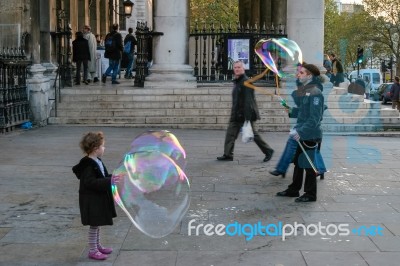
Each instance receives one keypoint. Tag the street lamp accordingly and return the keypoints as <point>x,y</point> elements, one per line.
<point>128,7</point>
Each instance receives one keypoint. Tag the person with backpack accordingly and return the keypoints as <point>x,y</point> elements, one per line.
<point>129,49</point>
<point>113,50</point>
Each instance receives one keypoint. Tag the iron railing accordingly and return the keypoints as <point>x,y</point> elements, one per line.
<point>211,50</point>
<point>14,105</point>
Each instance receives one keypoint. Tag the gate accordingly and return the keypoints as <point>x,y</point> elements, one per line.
<point>213,50</point>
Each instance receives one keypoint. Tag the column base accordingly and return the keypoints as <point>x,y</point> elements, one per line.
<point>170,76</point>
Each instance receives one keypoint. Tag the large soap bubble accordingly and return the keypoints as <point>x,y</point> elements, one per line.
<point>282,56</point>
<point>152,188</point>
<point>163,141</point>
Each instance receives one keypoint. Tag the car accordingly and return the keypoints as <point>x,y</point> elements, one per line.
<point>374,75</point>
<point>384,92</point>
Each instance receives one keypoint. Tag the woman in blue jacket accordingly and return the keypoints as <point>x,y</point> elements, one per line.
<point>307,131</point>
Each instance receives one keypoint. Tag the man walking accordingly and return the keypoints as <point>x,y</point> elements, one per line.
<point>244,108</point>
<point>114,47</point>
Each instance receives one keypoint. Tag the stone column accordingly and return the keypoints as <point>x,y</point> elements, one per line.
<point>305,26</point>
<point>104,26</point>
<point>45,39</point>
<point>171,49</point>
<point>38,88</point>
<point>37,84</point>
<point>94,11</point>
<point>244,12</point>
<point>279,12</point>
<point>266,13</point>
<point>83,11</point>
<point>255,13</point>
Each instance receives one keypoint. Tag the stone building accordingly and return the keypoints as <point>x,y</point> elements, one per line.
<point>36,25</point>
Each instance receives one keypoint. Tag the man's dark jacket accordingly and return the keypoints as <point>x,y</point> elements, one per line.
<point>116,53</point>
<point>244,106</point>
<point>80,49</point>
<point>395,91</point>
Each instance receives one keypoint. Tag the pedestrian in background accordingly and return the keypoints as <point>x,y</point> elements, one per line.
<point>327,65</point>
<point>81,56</point>
<point>307,132</point>
<point>337,76</point>
<point>394,93</point>
<point>92,48</point>
<point>244,108</point>
<point>129,49</point>
<point>96,202</point>
<point>113,51</point>
<point>367,87</point>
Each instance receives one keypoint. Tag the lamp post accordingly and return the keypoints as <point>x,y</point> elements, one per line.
<point>128,7</point>
<point>127,11</point>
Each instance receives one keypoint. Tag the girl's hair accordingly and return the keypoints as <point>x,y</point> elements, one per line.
<point>91,141</point>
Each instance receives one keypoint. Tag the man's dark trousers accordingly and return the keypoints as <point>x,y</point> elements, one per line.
<point>232,134</point>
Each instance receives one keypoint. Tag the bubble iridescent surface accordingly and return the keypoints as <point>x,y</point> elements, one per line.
<point>163,141</point>
<point>281,56</point>
<point>153,189</point>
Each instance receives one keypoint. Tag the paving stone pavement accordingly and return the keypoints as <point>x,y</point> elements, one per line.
<point>40,222</point>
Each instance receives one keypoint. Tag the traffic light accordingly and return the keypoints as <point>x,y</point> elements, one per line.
<point>360,54</point>
<point>383,66</point>
<point>390,63</point>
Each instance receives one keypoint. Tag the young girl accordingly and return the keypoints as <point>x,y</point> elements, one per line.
<point>96,203</point>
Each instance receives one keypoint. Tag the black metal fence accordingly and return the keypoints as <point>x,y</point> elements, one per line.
<point>143,36</point>
<point>14,105</point>
<point>213,50</point>
<point>210,51</point>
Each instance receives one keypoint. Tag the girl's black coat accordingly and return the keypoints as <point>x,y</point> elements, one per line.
<point>95,198</point>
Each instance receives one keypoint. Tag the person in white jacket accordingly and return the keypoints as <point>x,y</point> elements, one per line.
<point>88,35</point>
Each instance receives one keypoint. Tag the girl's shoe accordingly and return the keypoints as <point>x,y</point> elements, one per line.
<point>97,255</point>
<point>105,250</point>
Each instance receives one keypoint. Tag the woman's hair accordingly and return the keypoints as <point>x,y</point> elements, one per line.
<point>91,141</point>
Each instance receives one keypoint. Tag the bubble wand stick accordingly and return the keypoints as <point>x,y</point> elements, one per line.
<point>249,83</point>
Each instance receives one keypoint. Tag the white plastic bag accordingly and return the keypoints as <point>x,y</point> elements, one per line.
<point>247,132</point>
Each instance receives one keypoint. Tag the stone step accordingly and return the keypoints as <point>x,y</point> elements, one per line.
<point>105,102</point>
<point>349,98</point>
<point>159,112</point>
<point>98,122</point>
<point>128,122</point>
<point>361,120</point>
<point>208,107</point>
<point>361,112</point>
